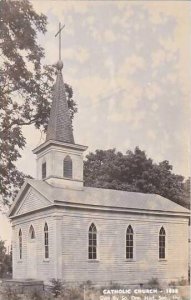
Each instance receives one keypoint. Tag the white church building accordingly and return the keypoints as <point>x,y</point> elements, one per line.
<point>64,230</point>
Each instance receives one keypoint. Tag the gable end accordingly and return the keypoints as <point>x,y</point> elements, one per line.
<point>30,201</point>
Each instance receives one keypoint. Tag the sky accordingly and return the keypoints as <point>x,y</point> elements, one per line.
<point>129,65</point>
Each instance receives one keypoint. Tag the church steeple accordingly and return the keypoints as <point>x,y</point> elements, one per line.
<point>59,159</point>
<point>60,125</point>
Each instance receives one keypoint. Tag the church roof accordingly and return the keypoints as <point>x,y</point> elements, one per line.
<point>60,125</point>
<point>98,198</point>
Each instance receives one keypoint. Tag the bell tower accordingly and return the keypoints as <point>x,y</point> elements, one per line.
<point>59,159</point>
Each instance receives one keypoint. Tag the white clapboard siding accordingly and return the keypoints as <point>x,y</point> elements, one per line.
<point>111,263</point>
<point>45,268</point>
<point>32,201</point>
<point>68,246</point>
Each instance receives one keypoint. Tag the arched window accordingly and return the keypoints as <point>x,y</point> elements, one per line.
<point>67,167</point>
<point>92,246</point>
<point>20,244</point>
<point>46,244</point>
<point>43,170</point>
<point>162,242</point>
<point>129,243</point>
<point>31,233</point>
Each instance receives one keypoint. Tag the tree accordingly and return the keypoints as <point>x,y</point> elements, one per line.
<point>5,260</point>
<point>134,172</point>
<point>187,187</point>
<point>25,86</point>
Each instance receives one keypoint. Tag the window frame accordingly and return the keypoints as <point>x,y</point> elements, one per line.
<point>46,242</point>
<point>32,234</point>
<point>92,243</point>
<point>20,244</point>
<point>129,244</point>
<point>162,243</point>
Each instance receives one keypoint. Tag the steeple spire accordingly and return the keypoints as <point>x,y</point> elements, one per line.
<point>60,125</point>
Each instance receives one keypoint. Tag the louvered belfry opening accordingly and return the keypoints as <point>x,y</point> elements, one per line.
<point>43,170</point>
<point>67,166</point>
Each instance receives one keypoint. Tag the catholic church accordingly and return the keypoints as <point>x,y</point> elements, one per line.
<point>65,230</point>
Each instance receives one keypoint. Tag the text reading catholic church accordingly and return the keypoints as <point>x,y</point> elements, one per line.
<point>66,231</point>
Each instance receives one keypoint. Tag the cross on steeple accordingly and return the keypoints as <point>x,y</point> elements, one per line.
<point>59,33</point>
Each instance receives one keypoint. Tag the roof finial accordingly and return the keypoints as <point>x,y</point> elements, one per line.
<point>59,64</point>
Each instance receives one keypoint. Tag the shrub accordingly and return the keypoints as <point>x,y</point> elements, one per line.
<point>35,295</point>
<point>9,294</point>
<point>72,293</point>
<point>172,283</point>
<point>153,283</point>
<point>88,283</point>
<point>114,285</point>
<point>182,281</point>
<point>56,287</point>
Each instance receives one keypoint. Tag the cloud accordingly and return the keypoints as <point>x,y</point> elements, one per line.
<point>179,12</point>
<point>90,20</point>
<point>106,36</point>
<point>128,102</point>
<point>109,36</point>
<point>158,58</point>
<point>123,17</point>
<point>151,134</point>
<point>95,34</point>
<point>153,90</point>
<point>154,107</point>
<point>99,85</point>
<point>72,71</point>
<point>134,120</point>
<point>78,54</point>
<point>132,64</point>
<point>59,7</point>
<point>169,44</point>
<point>110,65</point>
